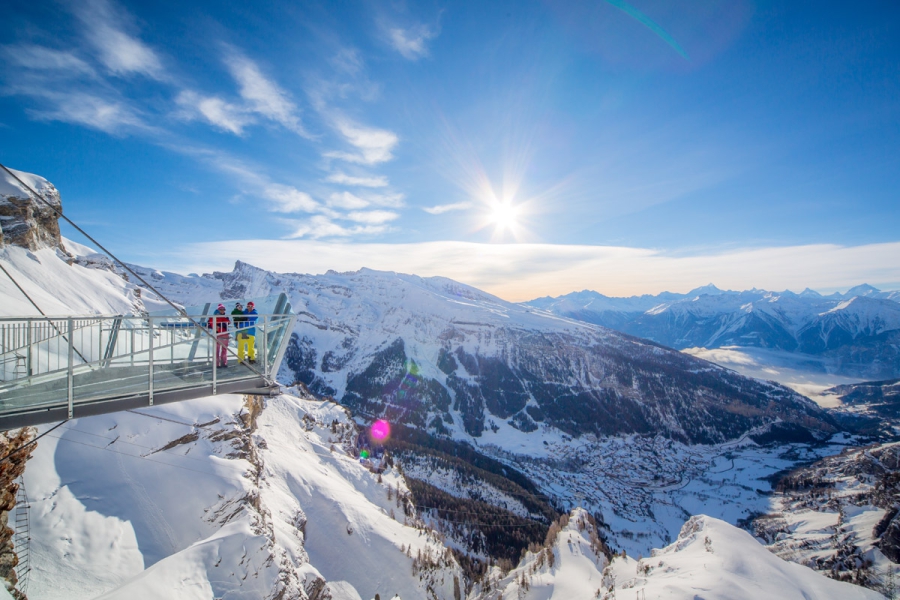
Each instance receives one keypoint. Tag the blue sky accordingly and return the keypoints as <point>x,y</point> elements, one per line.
<point>499,143</point>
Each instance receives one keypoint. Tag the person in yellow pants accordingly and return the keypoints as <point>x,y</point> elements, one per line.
<point>246,337</point>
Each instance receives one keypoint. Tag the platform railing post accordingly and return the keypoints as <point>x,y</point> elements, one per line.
<point>150,346</point>
<point>70,371</point>
<point>29,368</point>
<point>265,347</point>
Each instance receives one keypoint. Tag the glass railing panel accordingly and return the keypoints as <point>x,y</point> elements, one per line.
<point>108,357</point>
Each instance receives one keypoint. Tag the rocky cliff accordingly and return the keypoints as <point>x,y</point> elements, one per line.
<point>24,220</point>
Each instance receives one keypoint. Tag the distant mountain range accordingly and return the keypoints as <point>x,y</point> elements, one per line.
<point>858,330</point>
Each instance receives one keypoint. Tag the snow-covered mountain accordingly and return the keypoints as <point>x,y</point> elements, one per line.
<point>235,497</point>
<point>443,356</point>
<point>858,330</point>
<point>839,515</point>
<point>710,559</point>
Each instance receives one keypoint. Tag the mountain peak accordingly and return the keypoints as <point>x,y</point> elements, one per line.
<point>861,290</point>
<point>708,289</point>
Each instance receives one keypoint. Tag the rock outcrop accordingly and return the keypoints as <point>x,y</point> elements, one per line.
<point>24,220</point>
<point>10,470</point>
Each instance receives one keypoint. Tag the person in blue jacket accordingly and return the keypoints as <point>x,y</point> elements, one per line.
<point>246,336</point>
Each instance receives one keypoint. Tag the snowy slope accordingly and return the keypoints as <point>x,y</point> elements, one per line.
<point>570,566</point>
<point>59,288</point>
<point>219,510</point>
<point>716,561</point>
<point>80,283</point>
<point>710,560</point>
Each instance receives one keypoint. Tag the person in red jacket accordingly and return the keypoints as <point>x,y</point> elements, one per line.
<point>219,323</point>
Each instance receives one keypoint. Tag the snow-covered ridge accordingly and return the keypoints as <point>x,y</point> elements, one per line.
<point>716,561</point>
<point>710,559</point>
<point>438,354</point>
<point>853,329</point>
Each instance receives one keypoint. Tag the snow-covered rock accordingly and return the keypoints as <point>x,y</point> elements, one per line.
<point>25,221</point>
<point>717,561</point>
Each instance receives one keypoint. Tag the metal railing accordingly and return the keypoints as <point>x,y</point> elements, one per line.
<point>48,360</point>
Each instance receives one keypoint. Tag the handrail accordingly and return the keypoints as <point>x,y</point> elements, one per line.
<point>105,352</point>
<point>158,355</point>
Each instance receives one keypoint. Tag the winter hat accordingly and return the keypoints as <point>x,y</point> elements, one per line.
<point>250,304</point>
<point>220,307</point>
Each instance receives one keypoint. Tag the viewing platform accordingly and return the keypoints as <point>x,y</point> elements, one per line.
<point>54,368</point>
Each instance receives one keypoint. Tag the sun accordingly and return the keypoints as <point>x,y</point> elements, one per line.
<point>504,215</point>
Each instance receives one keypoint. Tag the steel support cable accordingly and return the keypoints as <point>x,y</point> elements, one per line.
<point>43,314</point>
<point>25,445</point>
<point>177,308</point>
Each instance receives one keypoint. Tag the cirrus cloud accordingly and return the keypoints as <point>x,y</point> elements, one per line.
<point>411,43</point>
<point>263,96</point>
<point>442,208</point>
<point>344,179</point>
<point>105,26</point>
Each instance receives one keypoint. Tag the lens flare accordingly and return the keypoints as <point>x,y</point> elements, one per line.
<point>364,454</point>
<point>381,430</point>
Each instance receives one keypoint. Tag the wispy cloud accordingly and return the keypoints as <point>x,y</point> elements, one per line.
<point>348,61</point>
<point>347,201</point>
<point>370,182</point>
<point>411,43</point>
<point>263,95</point>
<point>389,200</point>
<point>64,87</point>
<point>111,116</point>
<point>288,199</point>
<point>106,28</point>
<point>214,110</point>
<point>373,217</point>
<point>374,145</point>
<point>319,227</point>
<point>325,221</point>
<point>442,208</point>
<point>40,58</point>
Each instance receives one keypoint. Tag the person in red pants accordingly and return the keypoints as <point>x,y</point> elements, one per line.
<point>219,323</point>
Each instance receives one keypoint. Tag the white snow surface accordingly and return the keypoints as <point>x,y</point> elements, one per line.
<point>59,288</point>
<point>116,493</point>
<point>710,559</point>
<point>713,560</point>
<point>10,187</point>
<point>576,570</point>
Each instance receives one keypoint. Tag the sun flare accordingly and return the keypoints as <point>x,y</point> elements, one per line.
<point>503,215</point>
